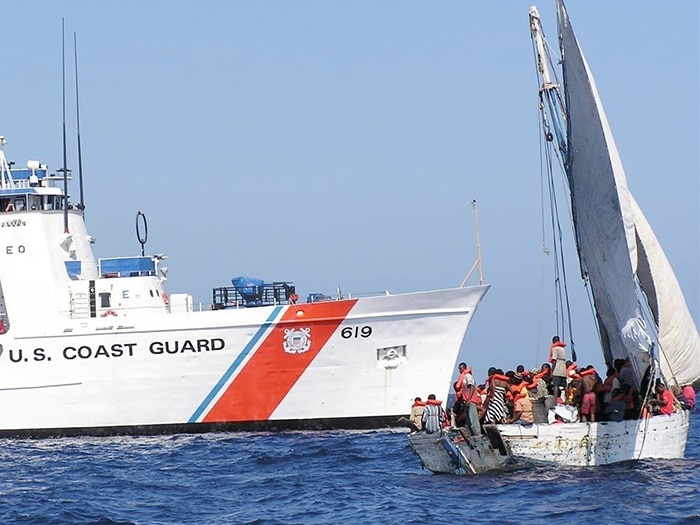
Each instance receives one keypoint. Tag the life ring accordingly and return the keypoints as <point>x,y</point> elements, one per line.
<point>109,312</point>
<point>165,297</point>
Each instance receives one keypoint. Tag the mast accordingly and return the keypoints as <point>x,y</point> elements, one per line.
<point>553,120</point>
<point>552,107</point>
<point>77,118</point>
<point>478,242</point>
<point>65,155</point>
<point>477,262</point>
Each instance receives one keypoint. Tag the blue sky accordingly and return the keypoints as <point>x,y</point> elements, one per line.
<point>341,143</point>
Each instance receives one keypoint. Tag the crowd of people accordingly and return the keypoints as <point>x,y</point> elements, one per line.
<point>572,393</point>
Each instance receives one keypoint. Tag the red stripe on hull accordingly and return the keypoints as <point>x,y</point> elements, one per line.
<point>271,372</point>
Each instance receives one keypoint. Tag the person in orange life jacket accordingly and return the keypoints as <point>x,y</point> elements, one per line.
<point>434,416</point>
<point>557,358</point>
<point>663,403</point>
<point>415,419</point>
<point>522,406</point>
<point>522,410</point>
<point>465,388</point>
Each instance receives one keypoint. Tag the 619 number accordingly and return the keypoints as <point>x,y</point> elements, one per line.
<point>359,331</point>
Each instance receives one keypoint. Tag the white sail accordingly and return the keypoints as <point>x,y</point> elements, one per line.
<point>679,342</point>
<point>602,208</point>
<point>616,243</point>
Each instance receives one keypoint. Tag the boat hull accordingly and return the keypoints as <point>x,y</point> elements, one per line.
<point>355,363</point>
<point>600,443</point>
<point>453,451</point>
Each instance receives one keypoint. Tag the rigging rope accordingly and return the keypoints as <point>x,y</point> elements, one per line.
<point>552,115</point>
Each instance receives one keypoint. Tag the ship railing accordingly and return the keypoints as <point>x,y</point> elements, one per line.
<point>267,294</point>
<point>271,294</point>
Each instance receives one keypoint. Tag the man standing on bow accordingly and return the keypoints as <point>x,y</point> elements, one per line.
<point>557,357</point>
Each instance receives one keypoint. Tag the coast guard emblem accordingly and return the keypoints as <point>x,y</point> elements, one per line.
<point>297,341</point>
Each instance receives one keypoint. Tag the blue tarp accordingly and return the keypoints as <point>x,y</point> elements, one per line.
<point>249,288</point>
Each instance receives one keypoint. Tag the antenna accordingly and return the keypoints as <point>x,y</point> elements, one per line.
<point>77,117</point>
<point>65,155</point>
<point>478,242</point>
<point>478,250</point>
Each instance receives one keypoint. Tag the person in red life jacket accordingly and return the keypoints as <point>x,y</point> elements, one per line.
<point>589,398</point>
<point>663,402</point>
<point>468,394</point>
<point>415,419</point>
<point>557,358</point>
<point>434,416</point>
<point>688,394</point>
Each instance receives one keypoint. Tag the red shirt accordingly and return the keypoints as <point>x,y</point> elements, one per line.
<point>667,407</point>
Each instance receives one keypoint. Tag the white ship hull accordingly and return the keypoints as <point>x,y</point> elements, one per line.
<point>347,363</point>
<point>601,443</point>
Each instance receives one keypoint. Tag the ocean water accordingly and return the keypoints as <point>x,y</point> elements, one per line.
<point>320,478</point>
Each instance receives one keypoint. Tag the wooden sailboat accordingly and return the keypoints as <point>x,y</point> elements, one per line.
<point>641,313</point>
